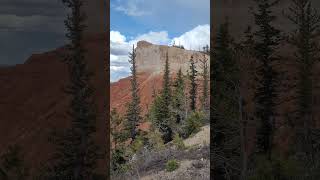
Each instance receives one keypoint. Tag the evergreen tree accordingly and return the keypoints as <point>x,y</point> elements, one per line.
<point>179,98</point>
<point>77,153</point>
<point>193,89</point>
<point>162,107</point>
<point>266,41</point>
<point>118,134</point>
<point>225,110</point>
<point>205,84</point>
<point>133,112</point>
<point>304,38</point>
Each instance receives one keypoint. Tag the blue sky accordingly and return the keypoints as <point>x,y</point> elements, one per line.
<point>157,21</point>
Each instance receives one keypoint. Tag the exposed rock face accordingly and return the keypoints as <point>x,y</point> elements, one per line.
<point>33,101</point>
<point>150,64</point>
<point>151,58</point>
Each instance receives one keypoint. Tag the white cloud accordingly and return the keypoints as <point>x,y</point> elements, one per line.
<point>194,39</point>
<point>118,68</point>
<point>120,47</point>
<point>117,37</point>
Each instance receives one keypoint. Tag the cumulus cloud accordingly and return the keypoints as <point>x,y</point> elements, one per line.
<point>120,46</point>
<point>194,39</point>
<point>117,37</point>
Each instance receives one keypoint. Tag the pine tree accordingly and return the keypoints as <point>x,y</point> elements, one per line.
<point>304,38</point>
<point>225,110</point>
<point>266,41</point>
<point>119,136</point>
<point>133,111</point>
<point>205,84</point>
<point>77,153</point>
<point>162,106</point>
<point>193,89</point>
<point>179,97</point>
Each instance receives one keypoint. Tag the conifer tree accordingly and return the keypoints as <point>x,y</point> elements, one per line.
<point>77,153</point>
<point>118,134</point>
<point>162,106</point>
<point>193,89</point>
<point>266,41</point>
<point>304,38</point>
<point>133,115</point>
<point>179,97</point>
<point>205,84</point>
<point>225,110</point>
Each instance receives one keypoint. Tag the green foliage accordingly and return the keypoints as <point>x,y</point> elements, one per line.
<point>225,108</point>
<point>179,98</point>
<point>172,165</point>
<point>193,123</point>
<point>305,38</point>
<point>178,142</point>
<point>193,89</point>
<point>12,166</point>
<point>266,39</point>
<point>133,115</point>
<point>155,141</point>
<point>118,160</point>
<point>118,133</point>
<point>137,144</point>
<point>77,152</point>
<point>161,109</point>
<point>205,84</point>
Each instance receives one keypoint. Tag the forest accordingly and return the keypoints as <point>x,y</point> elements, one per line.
<point>264,91</point>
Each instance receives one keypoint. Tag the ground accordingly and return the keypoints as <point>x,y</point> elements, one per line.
<point>194,161</point>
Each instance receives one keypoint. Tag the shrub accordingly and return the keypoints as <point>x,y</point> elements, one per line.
<point>137,144</point>
<point>172,165</point>
<point>118,160</point>
<point>155,141</point>
<point>193,124</point>
<point>178,142</point>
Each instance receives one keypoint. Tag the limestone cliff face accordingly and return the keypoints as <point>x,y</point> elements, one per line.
<point>151,58</point>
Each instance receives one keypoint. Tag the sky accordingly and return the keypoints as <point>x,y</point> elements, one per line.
<point>185,22</point>
<point>29,26</point>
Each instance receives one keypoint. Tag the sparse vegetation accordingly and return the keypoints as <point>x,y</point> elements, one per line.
<point>193,124</point>
<point>172,165</point>
<point>178,142</point>
<point>172,119</point>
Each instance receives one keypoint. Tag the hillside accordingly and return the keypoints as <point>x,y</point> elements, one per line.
<point>33,101</point>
